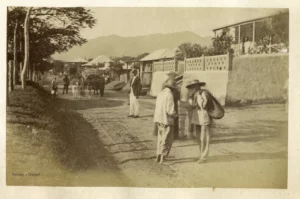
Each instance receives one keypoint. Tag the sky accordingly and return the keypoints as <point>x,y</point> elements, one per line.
<point>144,21</point>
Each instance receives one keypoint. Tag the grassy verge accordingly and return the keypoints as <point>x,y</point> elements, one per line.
<point>38,145</point>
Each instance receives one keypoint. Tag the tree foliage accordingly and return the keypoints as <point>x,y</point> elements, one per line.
<point>275,31</point>
<point>222,43</point>
<point>188,50</point>
<point>51,30</point>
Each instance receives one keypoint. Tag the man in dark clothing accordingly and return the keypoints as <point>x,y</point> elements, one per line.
<point>135,89</point>
<point>66,84</point>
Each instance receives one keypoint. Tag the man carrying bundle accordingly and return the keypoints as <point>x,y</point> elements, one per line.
<point>204,108</point>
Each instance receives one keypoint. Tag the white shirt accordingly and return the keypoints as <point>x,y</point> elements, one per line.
<point>165,108</point>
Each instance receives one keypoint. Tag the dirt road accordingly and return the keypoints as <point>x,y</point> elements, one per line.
<point>248,148</point>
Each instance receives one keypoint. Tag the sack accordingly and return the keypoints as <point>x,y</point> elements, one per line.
<point>214,108</point>
<point>52,92</point>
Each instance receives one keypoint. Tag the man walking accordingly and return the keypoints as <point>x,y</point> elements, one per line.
<point>135,88</point>
<point>164,118</point>
<point>66,84</point>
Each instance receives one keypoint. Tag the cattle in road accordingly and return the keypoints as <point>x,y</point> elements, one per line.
<point>96,83</point>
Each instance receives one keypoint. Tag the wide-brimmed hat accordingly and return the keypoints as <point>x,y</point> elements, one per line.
<point>170,83</point>
<point>194,83</point>
<point>134,72</point>
<point>171,73</point>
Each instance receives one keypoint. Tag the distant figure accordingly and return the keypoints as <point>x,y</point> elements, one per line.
<point>75,90</point>
<point>201,118</point>
<point>54,87</point>
<point>246,46</point>
<point>164,116</point>
<point>135,89</point>
<point>66,84</point>
<point>102,85</point>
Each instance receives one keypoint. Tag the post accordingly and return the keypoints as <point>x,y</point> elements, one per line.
<point>10,76</point>
<point>163,65</point>
<point>127,75</point>
<point>253,39</point>
<point>230,59</point>
<point>203,62</point>
<point>239,39</point>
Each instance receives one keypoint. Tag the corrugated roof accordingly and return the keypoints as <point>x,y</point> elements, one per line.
<point>98,60</point>
<point>160,54</point>
<point>260,17</point>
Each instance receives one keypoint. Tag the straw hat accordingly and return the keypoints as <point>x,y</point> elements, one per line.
<point>194,83</point>
<point>170,83</point>
<point>172,73</point>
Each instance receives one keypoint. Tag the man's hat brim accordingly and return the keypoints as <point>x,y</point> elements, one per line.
<point>194,84</point>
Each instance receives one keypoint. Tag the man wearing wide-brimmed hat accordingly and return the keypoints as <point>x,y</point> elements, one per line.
<point>199,117</point>
<point>171,76</point>
<point>164,116</point>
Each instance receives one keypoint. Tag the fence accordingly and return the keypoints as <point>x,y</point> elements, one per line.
<point>204,63</point>
<point>165,66</point>
<point>209,63</point>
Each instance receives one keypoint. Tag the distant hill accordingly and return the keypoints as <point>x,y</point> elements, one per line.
<point>114,45</point>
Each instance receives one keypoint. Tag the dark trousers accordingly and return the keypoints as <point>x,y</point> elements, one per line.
<point>176,122</point>
<point>102,91</point>
<point>66,88</point>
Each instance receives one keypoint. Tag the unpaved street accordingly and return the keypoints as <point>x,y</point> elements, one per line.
<point>248,148</point>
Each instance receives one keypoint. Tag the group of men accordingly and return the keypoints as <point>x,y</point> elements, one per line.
<point>166,114</point>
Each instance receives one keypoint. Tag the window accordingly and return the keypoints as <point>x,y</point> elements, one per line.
<point>247,32</point>
<point>259,31</point>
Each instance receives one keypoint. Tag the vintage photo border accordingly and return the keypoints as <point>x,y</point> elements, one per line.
<point>293,190</point>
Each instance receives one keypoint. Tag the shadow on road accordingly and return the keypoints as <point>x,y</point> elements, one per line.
<point>233,157</point>
<point>82,104</point>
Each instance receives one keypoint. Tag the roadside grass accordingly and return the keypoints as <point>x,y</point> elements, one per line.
<point>47,144</point>
<point>37,139</point>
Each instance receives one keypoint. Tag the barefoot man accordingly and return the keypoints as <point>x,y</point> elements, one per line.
<point>164,117</point>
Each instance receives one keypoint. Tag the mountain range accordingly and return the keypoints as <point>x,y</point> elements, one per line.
<point>116,46</point>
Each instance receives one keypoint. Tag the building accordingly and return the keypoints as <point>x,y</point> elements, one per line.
<point>127,67</point>
<point>72,67</point>
<point>247,34</point>
<point>146,66</point>
<point>100,62</point>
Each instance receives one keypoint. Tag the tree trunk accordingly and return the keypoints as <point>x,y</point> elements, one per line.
<point>20,71</point>
<point>10,76</point>
<point>34,73</point>
<point>15,69</point>
<point>26,54</point>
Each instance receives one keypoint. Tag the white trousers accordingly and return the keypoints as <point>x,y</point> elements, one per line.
<point>134,105</point>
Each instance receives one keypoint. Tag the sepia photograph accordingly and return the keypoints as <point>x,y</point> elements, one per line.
<point>148,97</point>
